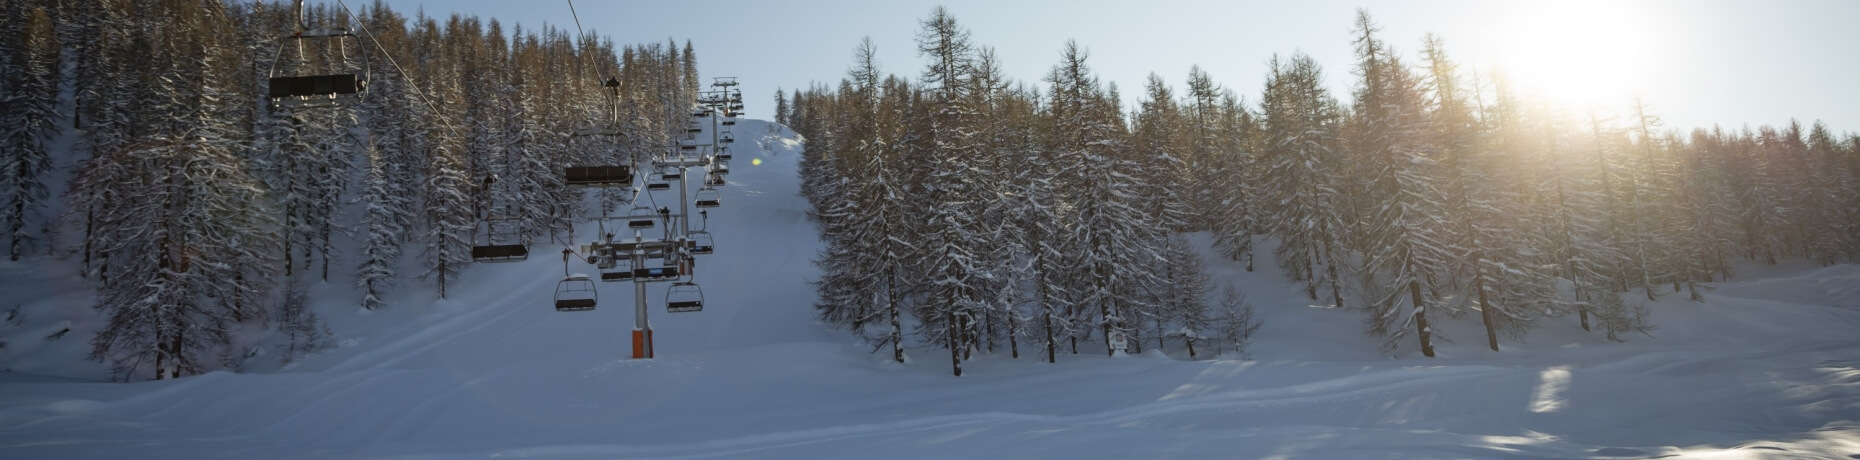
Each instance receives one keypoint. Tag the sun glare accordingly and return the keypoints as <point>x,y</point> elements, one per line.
<point>1575,52</point>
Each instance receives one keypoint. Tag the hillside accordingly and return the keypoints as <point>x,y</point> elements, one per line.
<point>1767,367</point>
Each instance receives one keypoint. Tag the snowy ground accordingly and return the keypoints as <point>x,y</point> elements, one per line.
<point>1767,367</point>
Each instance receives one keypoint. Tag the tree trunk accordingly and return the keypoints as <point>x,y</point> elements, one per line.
<point>955,348</point>
<point>1047,317</point>
<point>1013,336</point>
<point>1485,311</point>
<point>1420,319</point>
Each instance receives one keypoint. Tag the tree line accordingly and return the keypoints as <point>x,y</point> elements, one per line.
<point>192,200</point>
<point>969,210</point>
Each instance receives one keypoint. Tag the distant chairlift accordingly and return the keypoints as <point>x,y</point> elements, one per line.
<point>714,180</point>
<point>575,293</point>
<point>594,176</point>
<point>641,217</point>
<point>684,297</point>
<point>500,245</point>
<point>729,121</point>
<point>616,269</point>
<point>702,243</point>
<point>707,198</point>
<point>656,186</point>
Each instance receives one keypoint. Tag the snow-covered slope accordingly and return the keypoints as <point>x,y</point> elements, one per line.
<point>1768,367</point>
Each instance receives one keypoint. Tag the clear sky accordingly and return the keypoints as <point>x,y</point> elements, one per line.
<point>1698,62</point>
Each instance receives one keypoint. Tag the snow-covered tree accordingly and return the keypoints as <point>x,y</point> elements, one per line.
<point>1301,175</point>
<point>27,125</point>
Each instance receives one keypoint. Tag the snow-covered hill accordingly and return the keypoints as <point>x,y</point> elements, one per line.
<point>1767,367</point>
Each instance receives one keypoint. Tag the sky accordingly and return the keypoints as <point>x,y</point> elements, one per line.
<point>1697,63</point>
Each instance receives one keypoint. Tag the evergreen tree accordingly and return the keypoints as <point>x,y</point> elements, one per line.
<point>1300,175</point>
<point>27,125</point>
<point>1399,239</point>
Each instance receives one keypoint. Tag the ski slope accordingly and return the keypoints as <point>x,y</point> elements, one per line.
<point>1767,367</point>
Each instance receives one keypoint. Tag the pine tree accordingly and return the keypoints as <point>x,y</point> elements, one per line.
<point>1402,199</point>
<point>1300,177</point>
<point>1236,321</point>
<point>27,125</point>
<point>381,233</point>
<point>1184,292</point>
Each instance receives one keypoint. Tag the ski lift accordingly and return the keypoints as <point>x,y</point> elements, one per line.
<point>701,242</point>
<point>708,198</point>
<point>727,139</point>
<point>694,129</point>
<point>511,250</point>
<point>314,91</point>
<point>724,154</point>
<point>658,186</point>
<point>668,177</point>
<point>641,217</point>
<point>575,293</point>
<point>714,180</point>
<point>729,121</point>
<point>684,297</point>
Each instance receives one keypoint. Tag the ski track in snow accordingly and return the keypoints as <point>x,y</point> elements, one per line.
<point>1765,368</point>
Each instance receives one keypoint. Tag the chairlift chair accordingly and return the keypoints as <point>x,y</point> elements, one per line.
<point>668,177</point>
<point>617,269</point>
<point>658,186</point>
<point>575,293</point>
<point>599,175</point>
<point>714,180</point>
<point>641,217</point>
<point>702,243</point>
<point>315,90</point>
<point>707,198</point>
<point>684,297</point>
<point>500,246</point>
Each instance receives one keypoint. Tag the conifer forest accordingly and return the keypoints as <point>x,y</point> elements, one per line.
<point>381,229</point>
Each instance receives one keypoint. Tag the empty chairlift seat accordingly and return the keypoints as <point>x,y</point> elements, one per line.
<point>620,270</point>
<point>501,243</point>
<point>702,243</point>
<point>314,90</point>
<point>500,253</point>
<point>658,186</point>
<point>707,198</point>
<point>684,297</point>
<point>600,175</point>
<point>641,217</point>
<point>575,293</point>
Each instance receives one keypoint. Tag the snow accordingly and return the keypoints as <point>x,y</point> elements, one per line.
<point>1767,367</point>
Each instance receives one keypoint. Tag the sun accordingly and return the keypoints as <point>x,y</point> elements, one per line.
<point>1575,52</point>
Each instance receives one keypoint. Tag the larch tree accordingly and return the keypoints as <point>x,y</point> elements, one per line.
<point>27,125</point>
